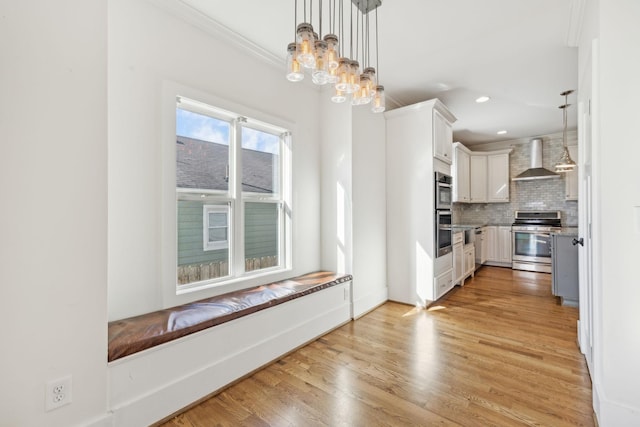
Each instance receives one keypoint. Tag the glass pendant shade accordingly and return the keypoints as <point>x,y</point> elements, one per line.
<point>362,95</point>
<point>354,77</point>
<point>332,76</point>
<point>371,73</point>
<point>333,55</point>
<point>338,96</point>
<point>343,75</point>
<point>378,101</point>
<point>320,73</point>
<point>305,45</point>
<point>294,69</point>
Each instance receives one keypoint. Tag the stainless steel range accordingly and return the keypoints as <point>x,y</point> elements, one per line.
<point>532,239</point>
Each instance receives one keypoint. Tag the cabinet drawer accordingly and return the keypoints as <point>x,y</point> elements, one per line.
<point>458,237</point>
<point>443,283</point>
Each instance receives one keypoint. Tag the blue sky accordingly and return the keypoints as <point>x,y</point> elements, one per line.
<point>199,126</point>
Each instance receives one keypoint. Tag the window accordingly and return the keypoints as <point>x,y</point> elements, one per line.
<point>215,230</point>
<point>232,208</point>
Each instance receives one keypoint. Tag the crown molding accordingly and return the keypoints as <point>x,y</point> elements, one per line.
<point>209,25</point>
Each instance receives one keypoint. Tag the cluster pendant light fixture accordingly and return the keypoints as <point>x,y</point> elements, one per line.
<point>325,58</point>
<point>566,163</point>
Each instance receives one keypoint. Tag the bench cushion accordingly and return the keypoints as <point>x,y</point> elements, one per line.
<point>134,334</point>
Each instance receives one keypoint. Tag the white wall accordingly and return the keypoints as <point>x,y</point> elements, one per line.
<point>148,47</point>
<point>53,221</point>
<point>369,210</point>
<point>337,196</point>
<point>617,344</point>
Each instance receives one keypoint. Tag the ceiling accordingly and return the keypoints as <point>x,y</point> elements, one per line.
<point>515,52</point>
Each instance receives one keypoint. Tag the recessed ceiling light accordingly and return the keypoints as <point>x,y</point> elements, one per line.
<point>501,132</point>
<point>482,99</point>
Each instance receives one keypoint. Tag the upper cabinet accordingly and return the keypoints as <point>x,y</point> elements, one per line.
<point>442,137</point>
<point>498,177</point>
<point>461,178</point>
<point>571,178</point>
<point>480,176</point>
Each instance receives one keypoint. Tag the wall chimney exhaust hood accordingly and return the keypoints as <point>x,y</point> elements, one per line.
<point>536,171</point>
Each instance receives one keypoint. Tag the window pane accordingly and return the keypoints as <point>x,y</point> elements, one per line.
<point>261,235</point>
<point>217,219</point>
<point>202,151</point>
<point>195,263</point>
<point>260,161</point>
<point>217,234</point>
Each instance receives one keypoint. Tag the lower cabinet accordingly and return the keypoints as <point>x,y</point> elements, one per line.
<point>443,283</point>
<point>498,240</point>
<point>469,261</point>
<point>458,263</point>
<point>464,259</point>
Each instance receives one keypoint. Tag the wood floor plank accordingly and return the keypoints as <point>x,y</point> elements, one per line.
<point>499,351</point>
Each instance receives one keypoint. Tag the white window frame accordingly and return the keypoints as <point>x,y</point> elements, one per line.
<point>238,278</point>
<point>208,245</point>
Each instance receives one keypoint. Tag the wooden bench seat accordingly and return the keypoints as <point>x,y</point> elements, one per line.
<point>135,334</point>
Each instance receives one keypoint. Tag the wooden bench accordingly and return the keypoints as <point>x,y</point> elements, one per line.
<point>135,334</point>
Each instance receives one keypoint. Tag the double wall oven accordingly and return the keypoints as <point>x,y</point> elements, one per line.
<point>443,216</point>
<point>531,232</point>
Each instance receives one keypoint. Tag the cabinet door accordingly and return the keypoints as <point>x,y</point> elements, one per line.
<point>469,259</point>
<point>478,180</point>
<point>504,244</point>
<point>491,237</point>
<point>498,177</point>
<point>571,178</point>
<point>484,245</point>
<point>442,138</point>
<point>458,263</point>
<point>460,176</point>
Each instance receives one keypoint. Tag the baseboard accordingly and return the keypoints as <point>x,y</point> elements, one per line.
<point>611,413</point>
<point>369,302</point>
<point>103,421</point>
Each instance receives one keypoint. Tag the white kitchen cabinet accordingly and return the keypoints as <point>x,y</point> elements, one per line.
<point>484,244</point>
<point>498,177</point>
<point>478,178</point>
<point>491,239</point>
<point>443,284</point>
<point>442,138</point>
<point>469,261</point>
<point>571,178</point>
<point>413,266</point>
<point>458,263</point>
<point>498,245</point>
<point>460,172</point>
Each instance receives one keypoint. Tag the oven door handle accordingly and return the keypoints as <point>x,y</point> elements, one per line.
<point>443,184</point>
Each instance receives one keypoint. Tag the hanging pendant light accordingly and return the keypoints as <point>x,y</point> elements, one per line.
<point>294,69</point>
<point>566,163</point>
<point>324,57</point>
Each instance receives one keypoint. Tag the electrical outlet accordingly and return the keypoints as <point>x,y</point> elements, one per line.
<point>57,393</point>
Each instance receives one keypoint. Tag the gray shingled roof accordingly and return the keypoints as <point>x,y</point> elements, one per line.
<point>203,164</point>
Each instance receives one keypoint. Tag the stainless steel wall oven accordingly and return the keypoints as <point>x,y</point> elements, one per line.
<point>443,191</point>
<point>443,233</point>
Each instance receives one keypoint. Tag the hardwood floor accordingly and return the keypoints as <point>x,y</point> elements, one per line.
<point>500,351</point>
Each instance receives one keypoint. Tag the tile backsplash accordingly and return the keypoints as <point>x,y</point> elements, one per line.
<point>539,195</point>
